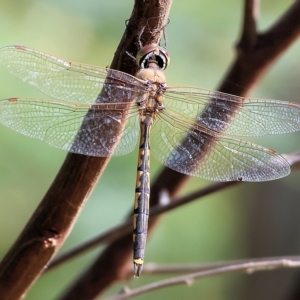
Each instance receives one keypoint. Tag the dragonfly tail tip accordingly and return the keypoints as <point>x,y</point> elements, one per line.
<point>138,266</point>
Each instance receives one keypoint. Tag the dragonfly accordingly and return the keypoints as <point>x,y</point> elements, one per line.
<point>101,112</point>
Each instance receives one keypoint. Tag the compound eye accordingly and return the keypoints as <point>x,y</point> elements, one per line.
<point>144,52</point>
<point>148,52</point>
<point>164,54</point>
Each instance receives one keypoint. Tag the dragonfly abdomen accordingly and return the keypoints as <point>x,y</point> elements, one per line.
<point>142,196</point>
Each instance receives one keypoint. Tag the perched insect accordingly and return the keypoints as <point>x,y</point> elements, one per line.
<point>100,112</point>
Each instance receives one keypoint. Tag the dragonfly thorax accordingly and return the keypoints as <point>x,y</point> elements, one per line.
<point>153,59</point>
<point>152,75</point>
<point>154,80</point>
<point>151,103</point>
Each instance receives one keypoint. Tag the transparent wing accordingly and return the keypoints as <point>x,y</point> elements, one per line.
<point>84,129</point>
<point>129,135</point>
<point>75,124</point>
<point>231,114</point>
<point>203,153</point>
<point>61,79</point>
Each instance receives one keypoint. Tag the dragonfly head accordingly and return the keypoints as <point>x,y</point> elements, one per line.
<point>153,54</point>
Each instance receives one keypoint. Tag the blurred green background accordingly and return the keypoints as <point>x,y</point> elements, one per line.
<point>251,220</point>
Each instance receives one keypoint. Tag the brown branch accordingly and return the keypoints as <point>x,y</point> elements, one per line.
<point>249,34</point>
<point>250,66</point>
<point>245,73</point>
<point>53,219</point>
<point>249,267</point>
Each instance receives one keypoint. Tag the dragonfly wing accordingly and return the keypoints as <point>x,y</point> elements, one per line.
<point>85,129</point>
<point>231,114</point>
<point>129,136</point>
<point>62,79</point>
<point>201,153</point>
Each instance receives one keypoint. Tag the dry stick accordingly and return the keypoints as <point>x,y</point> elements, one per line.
<point>153,268</point>
<point>251,64</point>
<point>248,267</point>
<point>53,219</point>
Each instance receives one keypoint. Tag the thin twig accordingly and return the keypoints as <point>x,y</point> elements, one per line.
<point>248,267</point>
<point>155,268</point>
